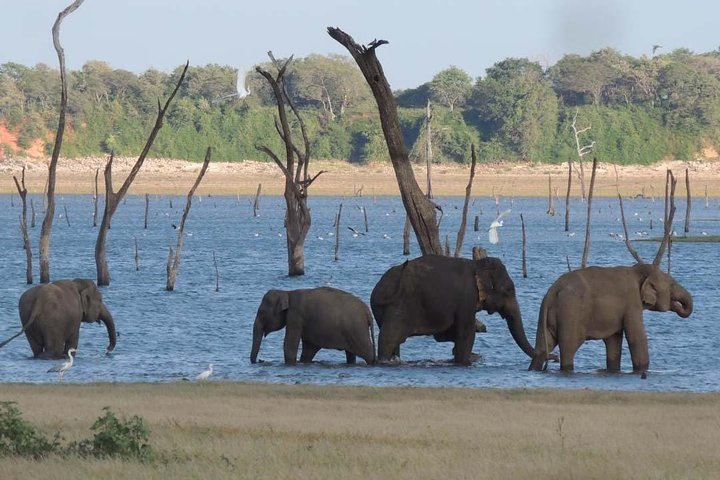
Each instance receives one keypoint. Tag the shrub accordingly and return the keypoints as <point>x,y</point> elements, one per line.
<point>20,437</point>
<point>125,437</point>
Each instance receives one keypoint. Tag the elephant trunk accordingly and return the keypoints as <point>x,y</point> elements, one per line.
<point>514,321</point>
<point>681,301</point>
<point>107,319</point>
<point>257,339</point>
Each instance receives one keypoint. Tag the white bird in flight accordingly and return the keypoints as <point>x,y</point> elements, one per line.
<point>498,222</point>
<point>61,368</point>
<point>205,374</point>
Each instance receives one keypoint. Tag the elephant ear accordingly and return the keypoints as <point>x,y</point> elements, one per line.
<point>85,299</point>
<point>482,295</point>
<point>648,293</point>
<point>283,301</point>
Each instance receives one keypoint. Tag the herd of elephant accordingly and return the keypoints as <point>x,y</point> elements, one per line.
<point>430,295</point>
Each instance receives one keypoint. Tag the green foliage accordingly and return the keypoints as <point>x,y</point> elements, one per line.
<point>451,87</point>
<point>22,438</point>
<point>114,437</point>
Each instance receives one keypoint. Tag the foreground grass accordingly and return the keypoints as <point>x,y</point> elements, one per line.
<point>232,430</point>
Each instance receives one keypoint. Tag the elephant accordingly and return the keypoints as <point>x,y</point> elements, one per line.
<point>438,295</point>
<point>321,317</point>
<point>605,303</point>
<point>51,314</point>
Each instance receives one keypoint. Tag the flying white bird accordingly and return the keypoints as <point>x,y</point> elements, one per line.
<point>61,368</point>
<point>205,374</point>
<point>492,230</point>
<point>355,232</point>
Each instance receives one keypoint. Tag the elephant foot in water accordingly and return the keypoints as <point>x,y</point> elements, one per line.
<point>394,360</point>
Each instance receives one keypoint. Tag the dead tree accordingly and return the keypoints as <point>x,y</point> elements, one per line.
<point>689,201</point>
<point>406,236</point>
<point>22,191</point>
<point>50,210</point>
<point>428,149</point>
<point>468,191</point>
<point>173,264</point>
<point>256,202</point>
<point>67,217</point>
<point>137,256</point>
<point>367,225</point>
<point>567,196</point>
<point>217,273</point>
<point>32,214</point>
<point>297,181</point>
<point>147,208</point>
<point>586,248</point>
<point>524,247</point>
<point>112,198</point>
<point>420,209</point>
<point>337,233</point>
<point>581,151</point>
<point>95,198</point>
<point>551,201</point>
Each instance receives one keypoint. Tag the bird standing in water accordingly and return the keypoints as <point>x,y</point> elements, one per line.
<point>205,374</point>
<point>492,230</point>
<point>61,368</point>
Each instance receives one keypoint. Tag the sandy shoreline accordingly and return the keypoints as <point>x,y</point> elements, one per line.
<point>162,176</point>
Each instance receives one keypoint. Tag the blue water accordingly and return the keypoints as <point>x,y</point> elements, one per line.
<point>166,336</point>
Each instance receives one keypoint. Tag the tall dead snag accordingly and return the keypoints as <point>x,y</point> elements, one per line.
<point>628,244</point>
<point>468,191</point>
<point>50,210</point>
<point>256,202</point>
<point>586,248</point>
<point>567,196</point>
<point>524,247</point>
<point>406,236</point>
<point>337,233</point>
<point>551,201</point>
<point>95,198</point>
<point>428,149</point>
<point>689,201</point>
<point>112,199</point>
<point>173,264</point>
<point>420,209</point>
<point>147,208</point>
<point>22,191</point>
<point>581,151</point>
<point>297,181</point>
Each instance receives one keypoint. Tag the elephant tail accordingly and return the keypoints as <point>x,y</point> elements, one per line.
<point>372,337</point>
<point>22,330</point>
<point>539,359</point>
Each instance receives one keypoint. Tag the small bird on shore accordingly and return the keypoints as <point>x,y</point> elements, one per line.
<point>498,222</point>
<point>61,368</point>
<point>205,374</point>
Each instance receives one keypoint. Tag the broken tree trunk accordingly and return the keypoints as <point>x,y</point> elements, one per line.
<point>147,208</point>
<point>468,191</point>
<point>95,198</point>
<point>174,258</point>
<point>52,168</point>
<point>256,202</point>
<point>112,198</point>
<point>586,248</point>
<point>419,208</point>
<point>551,201</point>
<point>22,191</point>
<point>567,197</point>
<point>524,246</point>
<point>217,273</point>
<point>406,236</point>
<point>428,149</point>
<point>688,204</point>
<point>337,233</point>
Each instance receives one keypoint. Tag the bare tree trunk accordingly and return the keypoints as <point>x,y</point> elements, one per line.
<point>95,198</point>
<point>406,236</point>
<point>447,246</point>
<point>689,201</point>
<point>524,247</point>
<point>32,215</point>
<point>256,202</point>
<point>706,197</point>
<point>551,202</point>
<point>50,211</point>
<point>174,262</point>
<point>476,226</point>
<point>567,197</point>
<point>67,217</point>
<point>670,183</point>
<point>428,149</point>
<point>112,199</point>
<point>419,208</point>
<point>22,191</point>
<point>217,273</point>
<point>367,225</point>
<point>147,209</point>
<point>337,233</point>
<point>468,191</point>
<point>581,150</point>
<point>137,256</point>
<point>586,248</point>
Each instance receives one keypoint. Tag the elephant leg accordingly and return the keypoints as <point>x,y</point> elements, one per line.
<point>73,341</point>
<point>464,341</point>
<point>35,346</point>
<point>350,357</point>
<point>638,346</point>
<point>308,351</point>
<point>613,348</point>
<point>293,332</point>
<point>389,340</point>
<point>53,348</point>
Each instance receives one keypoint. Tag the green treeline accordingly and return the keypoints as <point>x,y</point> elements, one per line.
<point>640,109</point>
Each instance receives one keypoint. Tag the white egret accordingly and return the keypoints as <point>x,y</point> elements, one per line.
<point>355,232</point>
<point>61,368</point>
<point>498,222</point>
<point>205,374</point>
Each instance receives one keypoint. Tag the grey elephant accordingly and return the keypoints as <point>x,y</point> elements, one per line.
<point>605,303</point>
<point>51,314</point>
<point>438,295</point>
<point>321,317</point>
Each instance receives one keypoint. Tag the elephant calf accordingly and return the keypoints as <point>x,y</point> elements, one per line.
<point>605,303</point>
<point>322,318</point>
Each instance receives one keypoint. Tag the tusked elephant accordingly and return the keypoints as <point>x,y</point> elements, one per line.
<point>51,314</point>
<point>438,295</point>
<point>321,317</point>
<point>605,303</point>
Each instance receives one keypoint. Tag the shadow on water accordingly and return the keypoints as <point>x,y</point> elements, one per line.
<point>167,336</point>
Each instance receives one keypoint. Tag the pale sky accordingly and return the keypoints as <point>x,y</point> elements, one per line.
<point>426,36</point>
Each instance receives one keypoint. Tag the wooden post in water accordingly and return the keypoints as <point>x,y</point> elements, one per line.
<point>367,227</point>
<point>137,256</point>
<point>586,248</point>
<point>551,202</point>
<point>32,215</point>
<point>95,198</point>
<point>147,208</point>
<point>567,200</point>
<point>688,203</point>
<point>337,233</point>
<point>22,191</point>
<point>67,218</point>
<point>476,226</point>
<point>524,244</point>
<point>256,202</point>
<point>406,236</point>
<point>217,273</point>
<point>706,197</point>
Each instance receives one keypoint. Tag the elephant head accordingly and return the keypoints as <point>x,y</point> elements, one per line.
<point>271,317</point>
<point>93,308</point>
<point>660,292</point>
<point>496,293</point>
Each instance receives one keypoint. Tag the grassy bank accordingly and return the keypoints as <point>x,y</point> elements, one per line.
<point>234,430</point>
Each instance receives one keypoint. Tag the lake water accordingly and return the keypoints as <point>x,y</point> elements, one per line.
<point>167,336</point>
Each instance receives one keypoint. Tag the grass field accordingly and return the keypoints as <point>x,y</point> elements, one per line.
<point>234,430</point>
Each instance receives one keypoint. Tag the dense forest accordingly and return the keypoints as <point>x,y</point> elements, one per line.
<point>640,109</point>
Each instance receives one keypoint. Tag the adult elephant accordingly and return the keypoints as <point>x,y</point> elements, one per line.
<point>605,303</point>
<point>438,295</point>
<point>51,314</point>
<point>321,317</point>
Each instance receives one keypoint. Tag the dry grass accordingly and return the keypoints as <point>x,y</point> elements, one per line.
<point>160,176</point>
<point>231,430</point>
